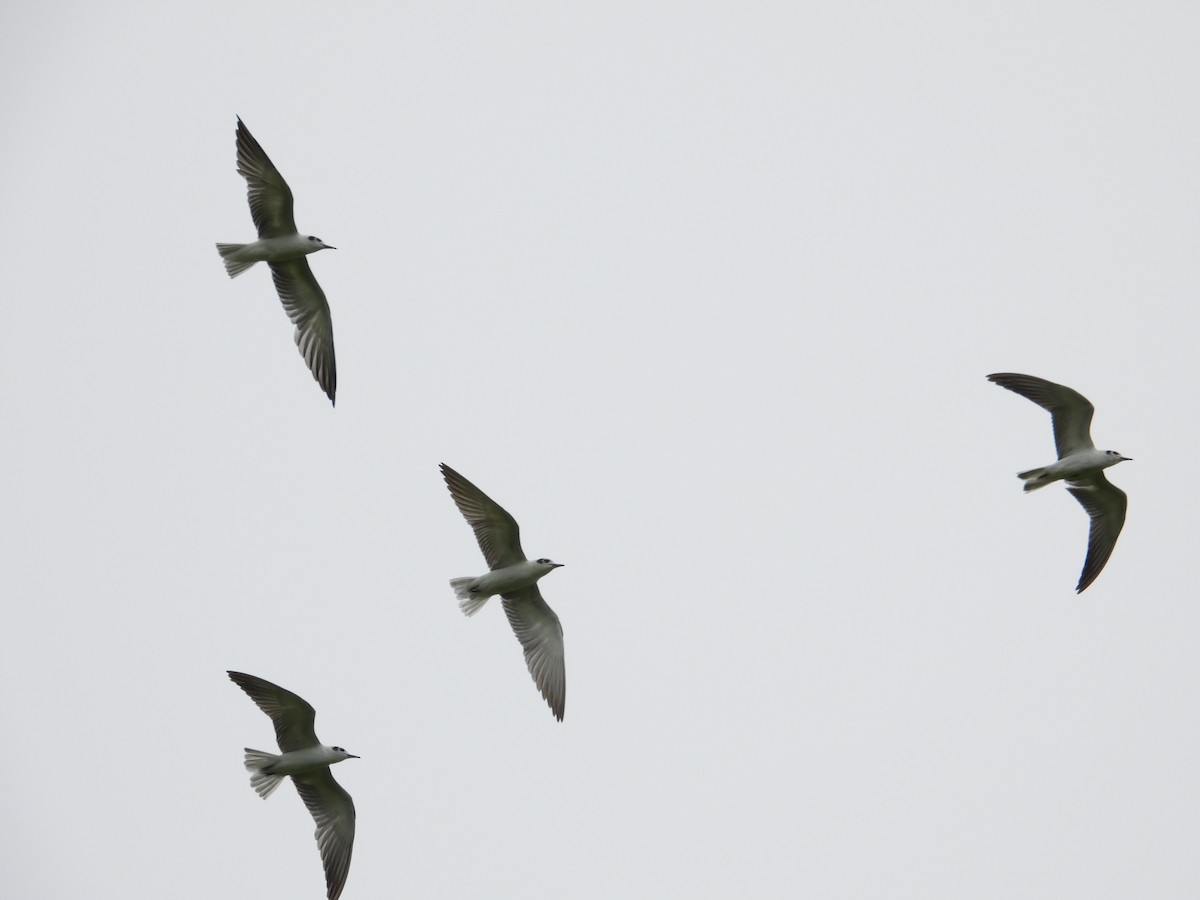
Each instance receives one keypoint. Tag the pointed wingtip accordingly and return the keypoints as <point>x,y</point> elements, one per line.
<point>1086,578</point>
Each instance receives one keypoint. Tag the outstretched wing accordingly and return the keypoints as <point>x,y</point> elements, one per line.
<point>292,716</point>
<point>497,532</point>
<point>333,811</point>
<point>305,304</point>
<point>1069,410</point>
<point>541,634</point>
<point>269,195</point>
<point>1105,504</point>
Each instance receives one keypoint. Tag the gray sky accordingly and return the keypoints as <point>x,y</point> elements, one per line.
<point>705,295</point>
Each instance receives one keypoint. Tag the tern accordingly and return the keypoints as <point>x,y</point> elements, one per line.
<point>283,249</point>
<point>1079,464</point>
<point>307,760</point>
<point>514,578</point>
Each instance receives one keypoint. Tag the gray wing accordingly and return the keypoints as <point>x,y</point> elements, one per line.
<point>497,532</point>
<point>333,811</point>
<point>540,633</point>
<point>270,197</point>
<point>1069,410</point>
<point>292,716</point>
<point>305,304</point>
<point>1105,504</point>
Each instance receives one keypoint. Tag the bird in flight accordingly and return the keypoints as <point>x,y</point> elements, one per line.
<point>514,578</point>
<point>307,760</point>
<point>283,249</point>
<point>1079,464</point>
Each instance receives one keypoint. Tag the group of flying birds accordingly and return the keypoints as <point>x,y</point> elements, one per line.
<point>511,575</point>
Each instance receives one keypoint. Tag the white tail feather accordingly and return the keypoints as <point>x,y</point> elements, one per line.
<point>469,603</point>
<point>1033,479</point>
<point>262,782</point>
<point>234,267</point>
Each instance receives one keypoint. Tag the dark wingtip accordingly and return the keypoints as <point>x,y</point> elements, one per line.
<point>1085,580</point>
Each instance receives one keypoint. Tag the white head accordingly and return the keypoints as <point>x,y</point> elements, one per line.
<point>315,244</point>
<point>546,565</point>
<point>340,754</point>
<point>1112,457</point>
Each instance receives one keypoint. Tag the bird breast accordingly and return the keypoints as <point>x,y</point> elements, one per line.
<point>510,578</point>
<point>297,762</point>
<point>1085,462</point>
<point>281,249</point>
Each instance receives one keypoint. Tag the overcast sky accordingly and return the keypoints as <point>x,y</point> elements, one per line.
<point>705,295</point>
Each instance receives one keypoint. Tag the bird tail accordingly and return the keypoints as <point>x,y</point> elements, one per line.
<point>469,603</point>
<point>1034,479</point>
<point>263,782</point>
<point>234,267</point>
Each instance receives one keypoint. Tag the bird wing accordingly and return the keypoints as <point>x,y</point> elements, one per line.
<point>497,532</point>
<point>540,633</point>
<point>305,304</point>
<point>269,195</point>
<point>292,715</point>
<point>1105,504</point>
<point>333,811</point>
<point>1069,410</point>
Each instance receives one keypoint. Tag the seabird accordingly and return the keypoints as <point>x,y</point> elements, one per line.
<point>307,760</point>
<point>1079,463</point>
<point>283,249</point>
<point>514,578</point>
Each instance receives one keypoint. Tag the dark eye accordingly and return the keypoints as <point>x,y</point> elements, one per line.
<point>311,238</point>
<point>543,560</point>
<point>339,749</point>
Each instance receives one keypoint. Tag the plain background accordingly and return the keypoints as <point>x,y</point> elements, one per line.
<point>705,295</point>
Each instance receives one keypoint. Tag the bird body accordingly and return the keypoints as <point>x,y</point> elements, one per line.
<point>298,762</point>
<point>306,760</point>
<point>507,580</point>
<point>514,578</point>
<point>1079,464</point>
<point>284,249</point>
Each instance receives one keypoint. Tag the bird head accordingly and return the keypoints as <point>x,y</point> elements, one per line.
<point>341,754</point>
<point>548,564</point>
<point>315,244</point>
